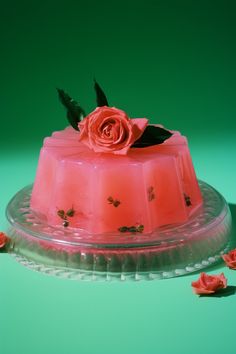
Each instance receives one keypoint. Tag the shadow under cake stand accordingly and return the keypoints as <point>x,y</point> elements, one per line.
<point>168,252</point>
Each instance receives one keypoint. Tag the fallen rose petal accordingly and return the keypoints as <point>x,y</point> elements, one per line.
<point>3,239</point>
<point>230,259</point>
<point>209,284</point>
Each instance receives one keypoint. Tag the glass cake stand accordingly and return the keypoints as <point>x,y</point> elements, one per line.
<point>168,252</point>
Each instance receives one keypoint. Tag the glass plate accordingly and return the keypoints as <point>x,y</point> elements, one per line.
<point>168,252</point>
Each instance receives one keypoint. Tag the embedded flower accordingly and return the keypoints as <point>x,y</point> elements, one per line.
<point>134,229</point>
<point>3,239</point>
<point>209,284</point>
<point>110,130</point>
<point>114,202</point>
<point>230,259</point>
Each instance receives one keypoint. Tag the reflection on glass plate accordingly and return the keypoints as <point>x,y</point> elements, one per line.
<point>168,252</point>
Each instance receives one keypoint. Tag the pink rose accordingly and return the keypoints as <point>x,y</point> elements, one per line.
<point>209,284</point>
<point>230,259</point>
<point>108,129</point>
<point>3,239</point>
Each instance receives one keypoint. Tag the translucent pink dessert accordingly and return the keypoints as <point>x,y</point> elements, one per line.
<point>105,193</point>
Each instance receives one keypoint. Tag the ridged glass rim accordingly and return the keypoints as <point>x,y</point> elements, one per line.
<point>69,236</point>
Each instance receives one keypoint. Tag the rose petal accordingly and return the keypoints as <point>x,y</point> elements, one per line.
<point>209,284</point>
<point>231,264</point>
<point>108,129</point>
<point>139,125</point>
<point>201,291</point>
<point>230,259</point>
<point>3,239</point>
<point>223,280</point>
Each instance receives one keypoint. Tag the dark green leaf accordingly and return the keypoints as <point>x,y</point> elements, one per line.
<point>74,112</point>
<point>70,212</point>
<point>61,213</point>
<point>132,229</point>
<point>100,95</point>
<point>152,135</point>
<point>123,229</point>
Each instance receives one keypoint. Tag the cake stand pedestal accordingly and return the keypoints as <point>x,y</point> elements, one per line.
<point>168,252</point>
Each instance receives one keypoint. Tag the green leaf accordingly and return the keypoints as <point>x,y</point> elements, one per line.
<point>152,135</point>
<point>61,213</point>
<point>74,112</point>
<point>100,95</point>
<point>70,212</point>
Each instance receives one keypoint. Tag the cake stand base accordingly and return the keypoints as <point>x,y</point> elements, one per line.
<point>168,252</point>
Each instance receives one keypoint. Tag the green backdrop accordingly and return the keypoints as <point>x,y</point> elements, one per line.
<point>170,61</point>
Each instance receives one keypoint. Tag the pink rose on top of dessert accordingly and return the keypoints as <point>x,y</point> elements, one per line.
<point>3,239</point>
<point>230,259</point>
<point>110,130</point>
<point>209,284</point>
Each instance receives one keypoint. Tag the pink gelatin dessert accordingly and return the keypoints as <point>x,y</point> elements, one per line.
<point>109,173</point>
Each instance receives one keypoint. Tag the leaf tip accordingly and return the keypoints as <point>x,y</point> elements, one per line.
<point>100,95</point>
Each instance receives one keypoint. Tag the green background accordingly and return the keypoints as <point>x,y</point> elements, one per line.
<point>170,61</point>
